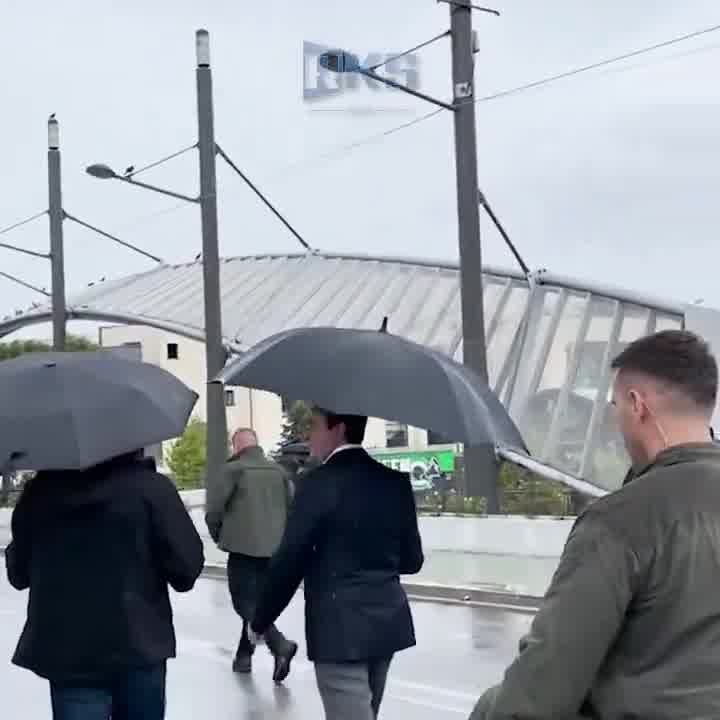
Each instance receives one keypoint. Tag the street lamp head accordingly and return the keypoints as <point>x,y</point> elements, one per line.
<point>339,61</point>
<point>202,48</point>
<point>53,133</point>
<point>104,172</point>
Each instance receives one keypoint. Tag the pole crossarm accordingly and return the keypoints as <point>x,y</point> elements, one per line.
<point>107,235</point>
<point>262,197</point>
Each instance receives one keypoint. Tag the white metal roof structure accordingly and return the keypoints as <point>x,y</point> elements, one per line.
<point>550,339</point>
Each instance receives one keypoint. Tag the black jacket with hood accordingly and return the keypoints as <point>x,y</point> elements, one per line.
<point>97,550</point>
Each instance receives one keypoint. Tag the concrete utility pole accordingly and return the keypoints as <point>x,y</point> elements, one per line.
<point>481,468</point>
<point>57,251</point>
<point>215,352</point>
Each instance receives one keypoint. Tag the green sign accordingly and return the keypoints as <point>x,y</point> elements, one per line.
<point>424,467</point>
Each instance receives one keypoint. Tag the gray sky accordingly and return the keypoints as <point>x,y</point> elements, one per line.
<point>610,176</point>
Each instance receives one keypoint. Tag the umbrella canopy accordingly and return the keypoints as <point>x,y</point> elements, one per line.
<point>381,375</point>
<point>68,411</point>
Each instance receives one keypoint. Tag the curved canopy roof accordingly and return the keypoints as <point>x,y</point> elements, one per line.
<point>550,339</point>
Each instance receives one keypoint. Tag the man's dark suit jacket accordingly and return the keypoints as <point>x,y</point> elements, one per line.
<point>352,532</point>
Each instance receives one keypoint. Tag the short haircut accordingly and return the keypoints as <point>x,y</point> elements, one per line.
<point>355,425</point>
<point>680,360</point>
<point>245,431</point>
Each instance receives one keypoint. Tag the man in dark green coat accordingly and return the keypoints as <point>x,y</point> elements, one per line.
<point>246,513</point>
<point>630,626</point>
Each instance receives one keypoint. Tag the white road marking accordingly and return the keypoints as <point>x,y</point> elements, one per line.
<point>196,648</point>
<point>431,705</point>
<point>432,689</point>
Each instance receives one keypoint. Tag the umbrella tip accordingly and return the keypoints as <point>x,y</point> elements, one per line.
<point>384,326</point>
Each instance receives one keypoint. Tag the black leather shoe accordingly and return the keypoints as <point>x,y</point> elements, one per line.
<point>242,664</point>
<point>282,663</point>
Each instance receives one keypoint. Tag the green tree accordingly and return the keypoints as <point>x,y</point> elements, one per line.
<point>297,421</point>
<point>186,457</point>
<point>15,348</point>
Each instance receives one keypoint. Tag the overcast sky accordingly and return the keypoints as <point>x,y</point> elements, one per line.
<point>612,175</point>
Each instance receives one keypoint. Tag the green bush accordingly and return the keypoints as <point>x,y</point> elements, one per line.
<point>187,456</point>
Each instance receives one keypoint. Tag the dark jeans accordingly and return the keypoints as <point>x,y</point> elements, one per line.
<point>246,576</point>
<point>131,695</point>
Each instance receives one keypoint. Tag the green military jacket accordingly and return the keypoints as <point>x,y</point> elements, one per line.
<point>247,507</point>
<point>630,626</point>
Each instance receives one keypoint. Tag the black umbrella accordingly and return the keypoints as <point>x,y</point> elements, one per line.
<point>380,375</point>
<point>68,411</point>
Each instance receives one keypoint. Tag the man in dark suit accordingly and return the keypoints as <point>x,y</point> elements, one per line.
<point>352,532</point>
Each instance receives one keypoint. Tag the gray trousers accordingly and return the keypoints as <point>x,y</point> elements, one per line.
<point>352,691</point>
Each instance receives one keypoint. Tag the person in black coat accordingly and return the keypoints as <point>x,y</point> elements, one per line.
<point>98,549</point>
<point>352,532</point>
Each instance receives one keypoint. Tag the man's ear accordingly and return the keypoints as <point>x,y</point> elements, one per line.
<point>639,405</point>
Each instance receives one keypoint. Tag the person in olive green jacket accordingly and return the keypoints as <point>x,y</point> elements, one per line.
<point>630,626</point>
<point>246,513</point>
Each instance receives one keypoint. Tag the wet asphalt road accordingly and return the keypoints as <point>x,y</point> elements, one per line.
<point>461,651</point>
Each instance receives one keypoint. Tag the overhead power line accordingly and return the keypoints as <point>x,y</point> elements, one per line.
<point>161,161</point>
<point>24,284</point>
<point>22,222</point>
<point>599,64</point>
<point>262,197</point>
<point>542,82</point>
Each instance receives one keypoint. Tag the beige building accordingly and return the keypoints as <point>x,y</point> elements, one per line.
<point>262,411</point>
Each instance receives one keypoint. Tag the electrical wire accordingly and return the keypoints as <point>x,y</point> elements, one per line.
<point>272,208</point>
<point>349,147</point>
<point>411,50</point>
<point>597,65</point>
<point>161,161</point>
<point>22,222</point>
<point>27,285</point>
<point>107,235</point>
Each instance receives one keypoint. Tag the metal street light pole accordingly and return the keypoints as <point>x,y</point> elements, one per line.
<point>215,351</point>
<point>480,463</point>
<point>57,252</point>
<point>481,466</point>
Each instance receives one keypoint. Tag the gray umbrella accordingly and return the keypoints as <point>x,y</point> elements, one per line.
<point>66,411</point>
<point>380,375</point>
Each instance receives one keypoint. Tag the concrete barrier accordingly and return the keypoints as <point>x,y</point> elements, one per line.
<point>508,555</point>
<point>476,557</point>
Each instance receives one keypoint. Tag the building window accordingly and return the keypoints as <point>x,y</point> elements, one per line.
<point>435,438</point>
<point>229,398</point>
<point>172,351</point>
<point>396,434</point>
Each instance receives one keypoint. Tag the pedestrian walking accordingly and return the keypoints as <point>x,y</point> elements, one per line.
<point>352,532</point>
<point>97,549</point>
<point>246,515</point>
<point>629,625</point>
